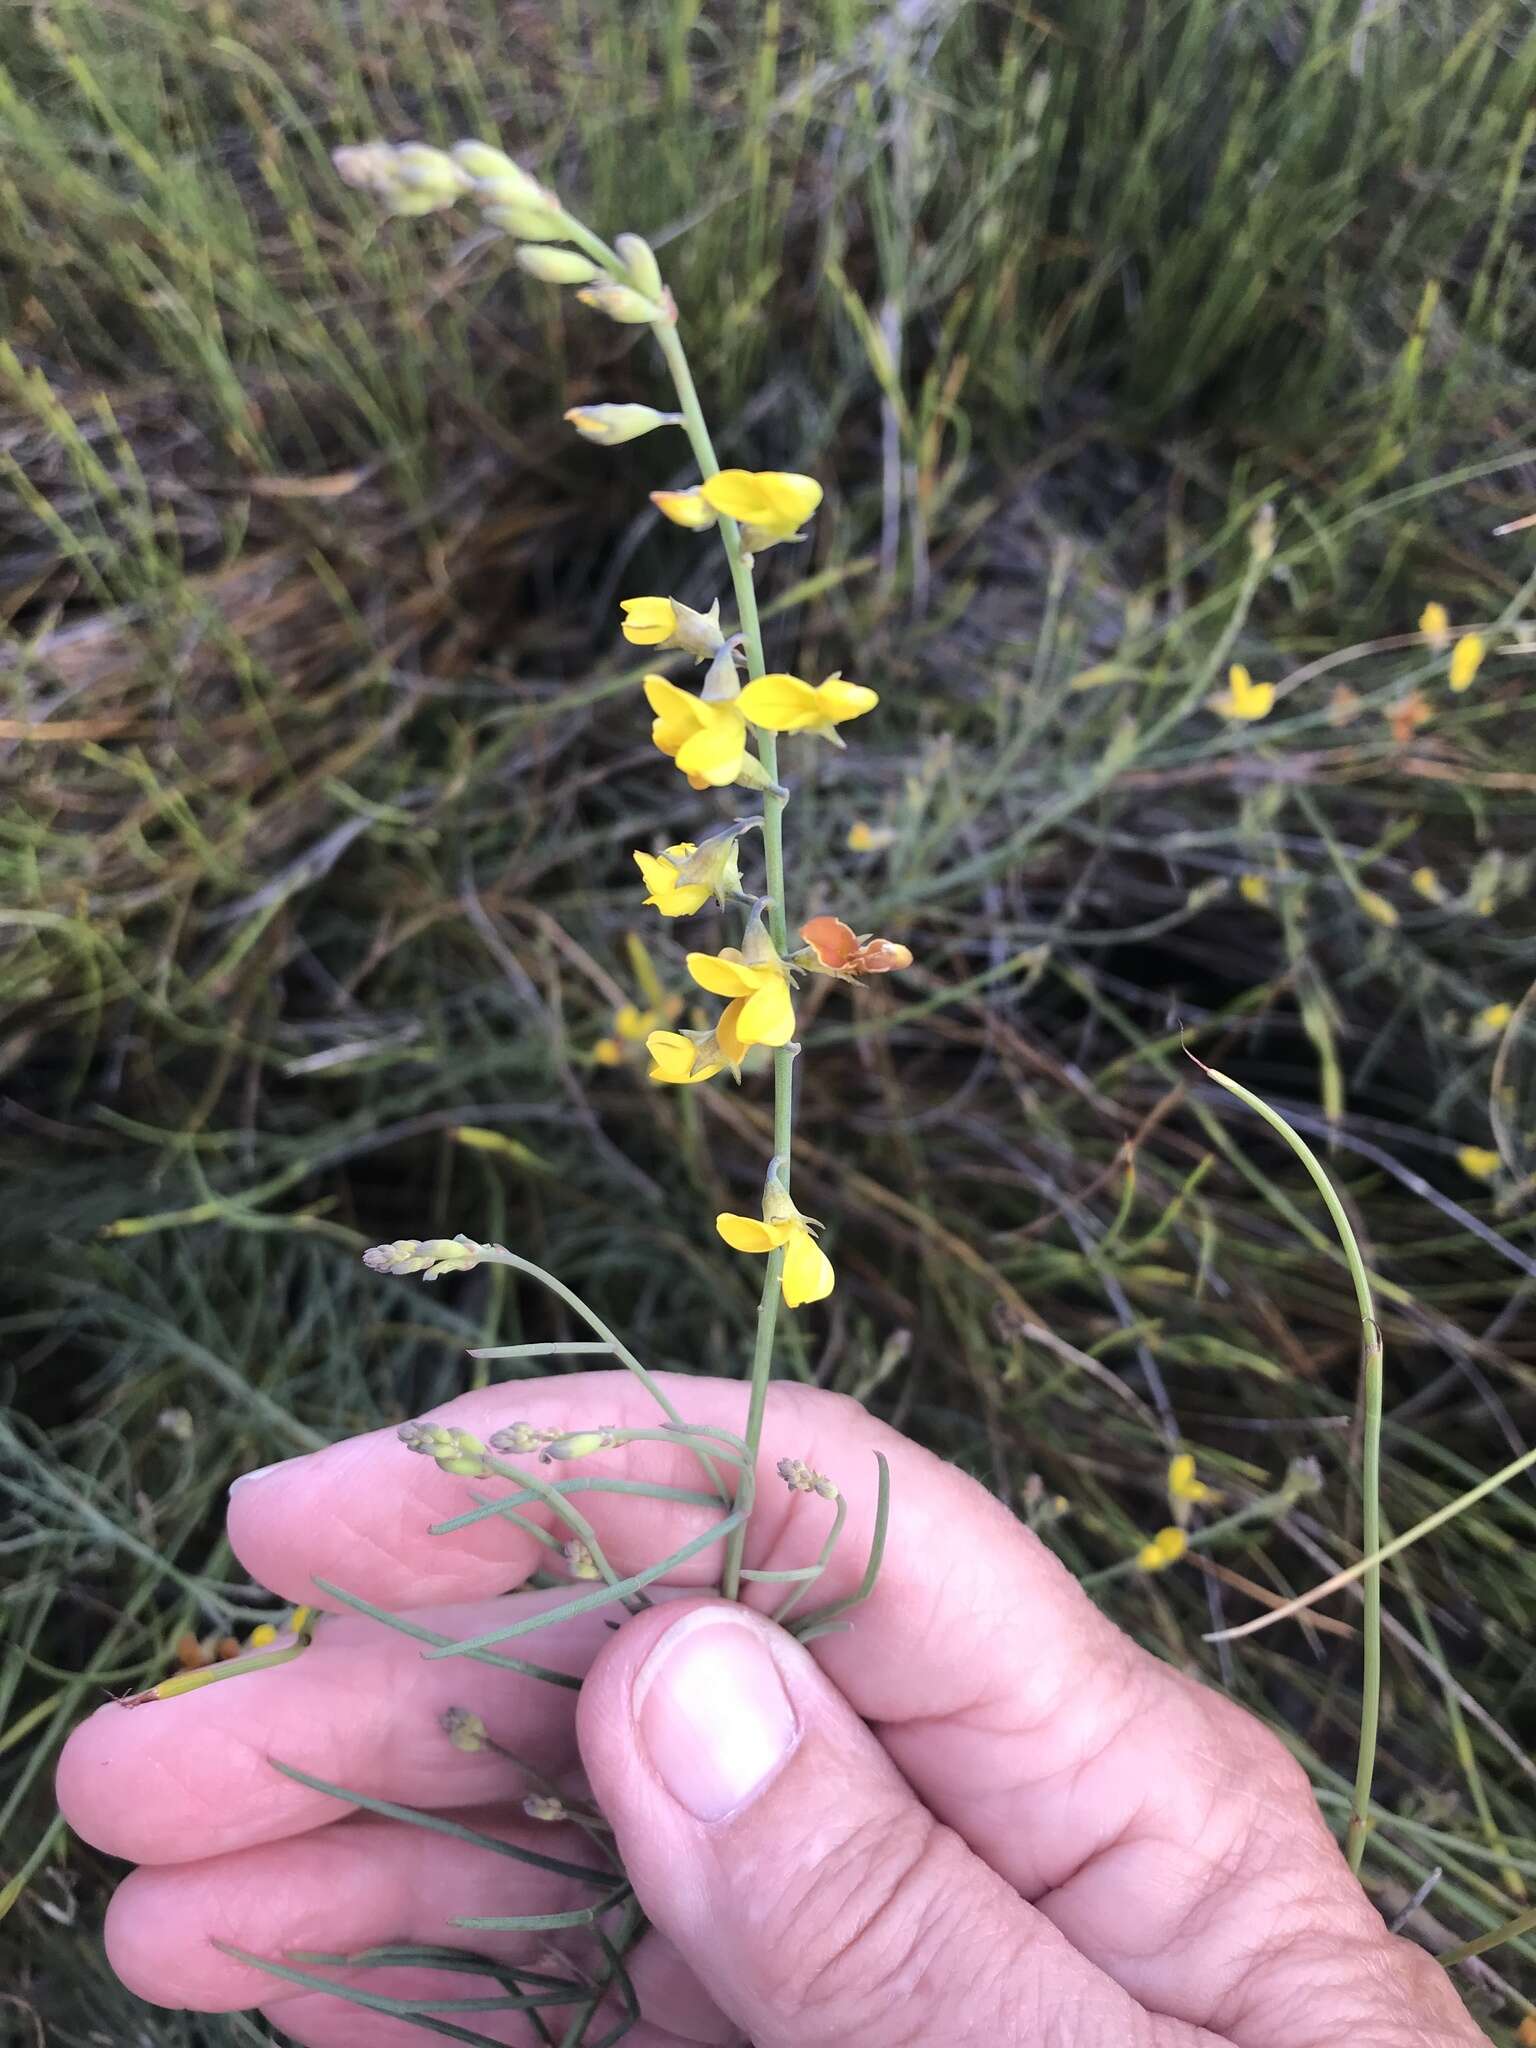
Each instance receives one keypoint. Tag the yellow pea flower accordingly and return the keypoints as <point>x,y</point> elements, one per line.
<point>1435,625</point>
<point>1488,1023</point>
<point>707,741</point>
<point>1254,889</point>
<point>663,622</point>
<point>807,1273</point>
<point>1378,909</point>
<point>757,975</point>
<point>770,505</point>
<point>1185,1488</point>
<point>1426,883</point>
<point>1477,1161</point>
<point>1467,660</point>
<point>679,1058</point>
<point>685,508</point>
<point>1166,1548</point>
<point>683,879</point>
<point>866,838</point>
<point>608,1053</point>
<point>783,703</point>
<point>1244,699</point>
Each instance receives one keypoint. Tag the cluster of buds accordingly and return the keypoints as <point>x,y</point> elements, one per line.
<point>455,1450</point>
<point>579,1561</point>
<point>799,1478</point>
<point>431,1257</point>
<point>521,1437</point>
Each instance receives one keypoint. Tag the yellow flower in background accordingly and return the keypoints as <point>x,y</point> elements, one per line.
<point>1426,883</point>
<point>1467,660</point>
<point>707,741</point>
<point>1244,699</point>
<point>866,838</point>
<point>807,1273</point>
<point>1377,908</point>
<point>1435,625</point>
<point>770,505</point>
<point>631,1027</point>
<point>1183,1484</point>
<point>681,1057</point>
<point>1492,1020</point>
<point>1477,1161</point>
<point>1254,889</point>
<point>1166,1548</point>
<point>767,1015</point>
<point>783,703</point>
<point>685,508</point>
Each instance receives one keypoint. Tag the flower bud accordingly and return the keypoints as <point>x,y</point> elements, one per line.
<point>630,308</point>
<point>609,426</point>
<point>542,1806</point>
<point>532,220</point>
<point>579,1560</point>
<point>521,1437</point>
<point>431,1257</point>
<point>685,508</point>
<point>485,165</point>
<point>554,266</point>
<point>466,1731</point>
<point>367,166</point>
<point>421,168</point>
<point>721,683</point>
<point>639,260</point>
<point>580,1443</point>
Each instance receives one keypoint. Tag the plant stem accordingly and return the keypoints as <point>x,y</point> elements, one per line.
<point>1370,1463</point>
<point>670,343</point>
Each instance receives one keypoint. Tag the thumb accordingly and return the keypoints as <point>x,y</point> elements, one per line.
<point>771,1838</point>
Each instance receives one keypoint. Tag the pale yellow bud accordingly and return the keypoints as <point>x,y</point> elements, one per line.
<point>421,168</point>
<point>619,302</point>
<point>639,260</point>
<point>487,165</point>
<point>554,266</point>
<point>368,166</point>
<point>539,219</point>
<point>611,425</point>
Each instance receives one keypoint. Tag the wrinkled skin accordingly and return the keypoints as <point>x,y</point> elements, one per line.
<point>995,1820</point>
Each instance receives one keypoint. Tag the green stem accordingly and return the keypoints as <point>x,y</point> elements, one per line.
<point>1370,1474</point>
<point>671,346</point>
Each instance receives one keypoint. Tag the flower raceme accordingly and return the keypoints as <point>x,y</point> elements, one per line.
<point>806,1274</point>
<point>782,703</point>
<point>769,505</point>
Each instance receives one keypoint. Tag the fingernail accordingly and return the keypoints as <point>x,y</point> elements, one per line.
<point>257,1472</point>
<point>713,1714</point>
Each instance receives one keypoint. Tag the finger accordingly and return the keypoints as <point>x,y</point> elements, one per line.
<point>1064,1755</point>
<point>191,1776</point>
<point>362,1884</point>
<point>769,1835</point>
<point>315,2021</point>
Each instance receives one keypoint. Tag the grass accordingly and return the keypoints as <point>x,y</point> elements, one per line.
<point>327,765</point>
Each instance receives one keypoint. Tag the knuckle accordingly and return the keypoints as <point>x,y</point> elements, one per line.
<point>862,1941</point>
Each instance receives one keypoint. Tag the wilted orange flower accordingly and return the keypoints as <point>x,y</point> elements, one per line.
<point>835,948</point>
<point>1407,715</point>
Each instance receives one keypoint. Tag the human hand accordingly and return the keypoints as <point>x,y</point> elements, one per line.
<point>982,1815</point>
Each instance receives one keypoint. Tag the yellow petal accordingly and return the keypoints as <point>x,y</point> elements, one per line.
<point>1244,699</point>
<point>768,1017</point>
<point>839,700</point>
<point>1495,1017</point>
<point>1254,889</point>
<point>721,977</point>
<point>684,508</point>
<point>608,1052</point>
<point>714,753</point>
<point>807,1274</point>
<point>773,498</point>
<point>1435,625</point>
<point>791,498</point>
<point>1181,1473</point>
<point>1426,883</point>
<point>728,1034</point>
<point>665,893</point>
<point>1467,659</point>
<point>1166,1548</point>
<point>677,714</point>
<point>861,836</point>
<point>780,703</point>
<point>672,1059</point>
<point>1478,1161</point>
<point>750,1233</point>
<point>261,1637</point>
<point>1377,908</point>
<point>648,621</point>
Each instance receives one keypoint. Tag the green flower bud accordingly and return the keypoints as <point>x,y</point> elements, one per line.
<point>639,260</point>
<point>554,266</point>
<point>579,1443</point>
<point>628,307</point>
<point>487,165</point>
<point>532,220</point>
<point>421,168</point>
<point>611,425</point>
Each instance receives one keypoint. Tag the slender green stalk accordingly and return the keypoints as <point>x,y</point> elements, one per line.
<point>670,343</point>
<point>1371,1367</point>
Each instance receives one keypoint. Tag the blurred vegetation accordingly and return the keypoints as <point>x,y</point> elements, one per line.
<point>324,763</point>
